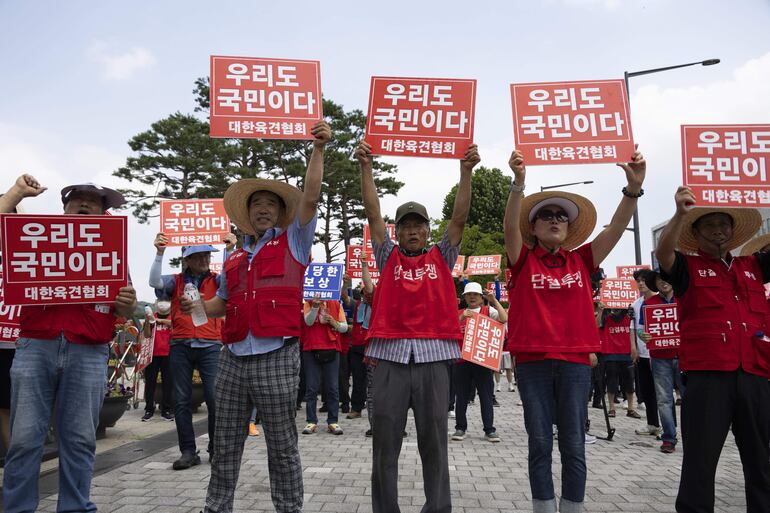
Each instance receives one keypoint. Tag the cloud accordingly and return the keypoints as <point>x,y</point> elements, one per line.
<point>120,66</point>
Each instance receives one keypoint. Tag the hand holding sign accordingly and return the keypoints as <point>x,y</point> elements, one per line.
<point>516,163</point>
<point>160,243</point>
<point>125,300</point>
<point>364,154</point>
<point>635,171</point>
<point>471,158</point>
<point>685,200</point>
<point>322,133</point>
<point>230,241</point>
<point>27,186</point>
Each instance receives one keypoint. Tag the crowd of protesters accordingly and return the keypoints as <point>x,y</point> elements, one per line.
<point>263,350</point>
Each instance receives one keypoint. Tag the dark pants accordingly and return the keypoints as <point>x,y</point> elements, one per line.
<point>159,364</point>
<point>344,380</point>
<point>183,360</point>
<point>358,370</point>
<point>313,373</point>
<point>423,387</point>
<point>647,391</point>
<point>713,401</point>
<point>466,375</point>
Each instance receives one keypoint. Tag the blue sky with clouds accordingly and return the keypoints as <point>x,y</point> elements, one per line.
<point>80,78</point>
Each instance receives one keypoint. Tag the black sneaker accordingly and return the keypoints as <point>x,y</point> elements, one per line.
<point>494,402</point>
<point>167,415</point>
<point>186,460</point>
<point>147,416</point>
<point>345,408</point>
<point>368,433</point>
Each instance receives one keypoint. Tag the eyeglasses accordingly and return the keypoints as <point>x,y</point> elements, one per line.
<point>547,215</point>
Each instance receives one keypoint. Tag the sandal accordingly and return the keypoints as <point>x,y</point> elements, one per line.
<point>633,414</point>
<point>611,413</point>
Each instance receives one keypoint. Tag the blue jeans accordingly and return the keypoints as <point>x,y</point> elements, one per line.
<point>313,373</point>
<point>555,392</point>
<point>74,378</point>
<point>665,374</point>
<point>183,360</point>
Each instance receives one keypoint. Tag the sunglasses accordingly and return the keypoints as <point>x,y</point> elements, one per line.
<point>547,215</point>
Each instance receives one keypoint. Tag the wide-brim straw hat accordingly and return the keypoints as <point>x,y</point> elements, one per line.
<point>746,222</point>
<point>755,244</point>
<point>237,201</point>
<point>581,213</point>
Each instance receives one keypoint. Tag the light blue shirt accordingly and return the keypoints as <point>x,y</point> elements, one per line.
<point>300,244</point>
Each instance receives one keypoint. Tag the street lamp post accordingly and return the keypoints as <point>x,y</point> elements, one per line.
<point>543,188</point>
<point>626,76</point>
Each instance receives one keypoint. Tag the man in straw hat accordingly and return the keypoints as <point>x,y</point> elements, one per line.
<point>261,293</point>
<point>724,351</point>
<point>413,337</point>
<point>59,372</point>
<point>554,330</point>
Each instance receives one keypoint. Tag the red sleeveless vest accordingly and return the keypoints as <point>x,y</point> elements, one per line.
<point>322,336</point>
<point>415,298</point>
<point>182,325</point>
<point>81,324</point>
<point>553,305</point>
<point>616,335</point>
<point>655,352</point>
<point>265,296</point>
<point>722,313</point>
<point>357,331</point>
<point>162,339</point>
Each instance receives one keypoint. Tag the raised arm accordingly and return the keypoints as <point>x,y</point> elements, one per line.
<point>511,229</point>
<point>609,237</point>
<point>25,187</point>
<point>685,200</point>
<point>365,276</point>
<point>369,194</point>
<point>311,190</point>
<point>502,315</point>
<point>462,206</point>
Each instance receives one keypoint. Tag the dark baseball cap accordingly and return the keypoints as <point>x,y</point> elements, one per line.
<point>411,207</point>
<point>110,197</point>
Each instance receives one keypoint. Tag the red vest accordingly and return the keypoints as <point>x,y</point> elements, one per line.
<point>553,305</point>
<point>616,335</point>
<point>322,336</point>
<point>655,352</point>
<point>162,339</point>
<point>721,314</point>
<point>181,323</point>
<point>81,324</point>
<point>265,296</point>
<point>357,331</point>
<point>415,298</point>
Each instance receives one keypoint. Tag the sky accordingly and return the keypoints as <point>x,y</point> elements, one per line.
<point>80,78</point>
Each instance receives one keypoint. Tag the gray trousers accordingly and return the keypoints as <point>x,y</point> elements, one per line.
<point>423,387</point>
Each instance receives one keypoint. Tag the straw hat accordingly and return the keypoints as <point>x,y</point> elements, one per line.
<point>581,213</point>
<point>755,244</point>
<point>746,222</point>
<point>238,194</point>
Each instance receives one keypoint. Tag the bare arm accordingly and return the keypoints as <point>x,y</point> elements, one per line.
<point>462,206</point>
<point>609,237</point>
<point>369,194</point>
<point>685,199</point>
<point>25,187</point>
<point>511,229</point>
<point>365,276</point>
<point>311,191</point>
<point>502,315</point>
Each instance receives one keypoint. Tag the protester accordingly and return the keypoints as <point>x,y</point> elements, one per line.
<point>641,355</point>
<point>260,364</point>
<point>324,322</point>
<point>59,372</point>
<point>192,347</point>
<point>553,331</point>
<point>413,336</point>
<point>359,325</point>
<point>615,332</point>
<point>160,364</point>
<point>724,350</point>
<point>466,374</point>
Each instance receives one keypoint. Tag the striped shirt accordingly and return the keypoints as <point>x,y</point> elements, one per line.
<point>422,350</point>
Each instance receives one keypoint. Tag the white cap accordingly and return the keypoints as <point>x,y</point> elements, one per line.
<point>472,286</point>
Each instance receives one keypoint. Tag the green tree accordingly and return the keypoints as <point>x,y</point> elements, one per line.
<point>489,195</point>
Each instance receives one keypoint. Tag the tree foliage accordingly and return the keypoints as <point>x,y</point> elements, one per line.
<point>489,195</point>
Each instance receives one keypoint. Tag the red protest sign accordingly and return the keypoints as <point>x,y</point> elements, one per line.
<point>483,342</point>
<point>727,165</point>
<point>9,317</point>
<point>389,228</point>
<point>216,267</point>
<point>421,117</point>
<point>264,98</point>
<point>457,270</point>
<point>618,293</point>
<point>196,221</point>
<point>484,264</point>
<point>354,266</point>
<point>572,122</point>
<point>59,259</point>
<point>146,346</point>
<point>627,271</point>
<point>662,323</point>
<point>503,291</point>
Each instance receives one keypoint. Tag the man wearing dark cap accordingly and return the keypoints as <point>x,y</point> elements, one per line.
<point>61,360</point>
<point>413,337</point>
<point>191,346</point>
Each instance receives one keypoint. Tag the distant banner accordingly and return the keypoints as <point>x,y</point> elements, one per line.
<point>503,291</point>
<point>421,117</point>
<point>484,341</point>
<point>194,221</point>
<point>662,323</point>
<point>324,280</point>
<point>627,271</point>
<point>484,264</point>
<point>63,259</point>
<point>618,293</point>
<point>727,165</point>
<point>457,270</point>
<point>255,98</point>
<point>389,228</point>
<point>572,122</point>
<point>355,267</point>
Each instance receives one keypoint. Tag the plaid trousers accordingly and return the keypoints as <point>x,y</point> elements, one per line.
<point>268,382</point>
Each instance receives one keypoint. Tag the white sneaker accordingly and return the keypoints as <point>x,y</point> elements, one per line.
<point>624,405</point>
<point>497,388</point>
<point>452,413</point>
<point>649,430</point>
<point>590,439</point>
<point>511,388</point>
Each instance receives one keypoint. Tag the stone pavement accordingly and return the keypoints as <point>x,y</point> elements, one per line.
<point>628,474</point>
